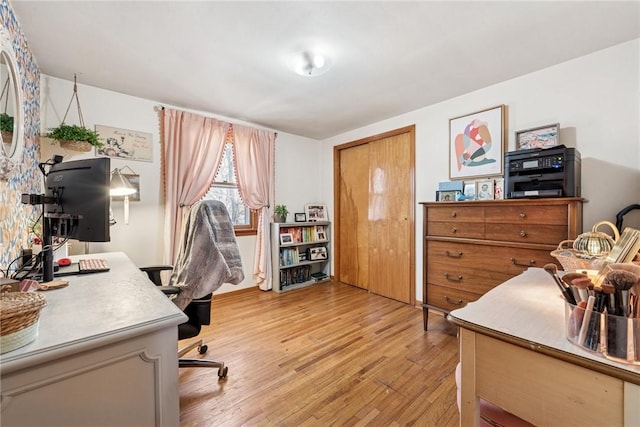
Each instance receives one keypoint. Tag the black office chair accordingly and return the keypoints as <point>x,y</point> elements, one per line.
<point>208,257</point>
<point>199,313</point>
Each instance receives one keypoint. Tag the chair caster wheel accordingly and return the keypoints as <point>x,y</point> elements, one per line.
<point>203,349</point>
<point>222,373</point>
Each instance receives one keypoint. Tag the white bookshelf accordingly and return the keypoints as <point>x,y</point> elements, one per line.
<point>297,262</point>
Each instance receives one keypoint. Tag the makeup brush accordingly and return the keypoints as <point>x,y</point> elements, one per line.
<point>609,291</point>
<point>582,284</point>
<point>552,269</point>
<point>622,280</point>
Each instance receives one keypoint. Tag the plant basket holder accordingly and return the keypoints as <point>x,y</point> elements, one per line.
<point>83,146</point>
<point>19,316</point>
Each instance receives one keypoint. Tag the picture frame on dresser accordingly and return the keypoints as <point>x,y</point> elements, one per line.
<point>477,143</point>
<point>546,136</point>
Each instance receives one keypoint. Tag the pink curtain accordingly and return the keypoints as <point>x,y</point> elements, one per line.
<point>192,150</point>
<point>254,154</point>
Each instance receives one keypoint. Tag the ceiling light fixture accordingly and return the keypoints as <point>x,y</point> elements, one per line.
<point>310,64</point>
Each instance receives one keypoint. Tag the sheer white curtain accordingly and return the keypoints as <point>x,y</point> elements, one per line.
<point>192,150</point>
<point>254,154</point>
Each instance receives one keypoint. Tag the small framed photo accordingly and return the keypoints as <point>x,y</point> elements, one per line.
<point>447,196</point>
<point>300,217</point>
<point>316,212</point>
<point>498,190</point>
<point>484,189</point>
<point>317,253</point>
<point>469,190</point>
<point>539,137</point>
<point>286,238</point>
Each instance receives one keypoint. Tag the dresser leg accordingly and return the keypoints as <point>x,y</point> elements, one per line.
<point>425,317</point>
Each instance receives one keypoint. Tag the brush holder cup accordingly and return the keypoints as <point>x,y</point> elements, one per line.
<point>615,337</point>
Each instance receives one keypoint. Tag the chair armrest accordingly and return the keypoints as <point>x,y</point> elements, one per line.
<point>153,272</point>
<point>170,290</point>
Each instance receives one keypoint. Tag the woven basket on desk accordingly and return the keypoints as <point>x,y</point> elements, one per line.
<point>19,314</point>
<point>573,260</point>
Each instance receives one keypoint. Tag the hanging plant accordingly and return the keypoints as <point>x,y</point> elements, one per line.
<point>74,137</point>
<point>6,122</point>
<point>75,133</point>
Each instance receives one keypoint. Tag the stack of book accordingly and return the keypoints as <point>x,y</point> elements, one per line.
<point>319,276</point>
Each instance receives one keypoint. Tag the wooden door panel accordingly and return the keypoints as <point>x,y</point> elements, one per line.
<point>353,262</point>
<point>389,217</point>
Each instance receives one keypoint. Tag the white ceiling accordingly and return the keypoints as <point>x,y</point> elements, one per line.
<point>230,58</point>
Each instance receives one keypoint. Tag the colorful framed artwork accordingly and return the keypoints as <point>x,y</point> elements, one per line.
<point>541,137</point>
<point>477,143</point>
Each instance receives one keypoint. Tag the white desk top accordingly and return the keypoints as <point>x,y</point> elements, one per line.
<point>95,310</point>
<point>528,310</point>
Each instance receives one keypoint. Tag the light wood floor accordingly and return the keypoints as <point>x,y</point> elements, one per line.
<point>330,354</point>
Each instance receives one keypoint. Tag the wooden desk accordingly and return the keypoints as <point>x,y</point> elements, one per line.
<point>105,355</point>
<point>514,354</point>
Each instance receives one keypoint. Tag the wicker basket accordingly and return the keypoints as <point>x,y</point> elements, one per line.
<point>83,146</point>
<point>572,260</point>
<point>19,314</point>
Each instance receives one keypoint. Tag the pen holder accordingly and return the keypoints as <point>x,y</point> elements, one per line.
<point>615,337</point>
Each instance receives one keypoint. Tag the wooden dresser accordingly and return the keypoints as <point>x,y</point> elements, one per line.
<point>470,247</point>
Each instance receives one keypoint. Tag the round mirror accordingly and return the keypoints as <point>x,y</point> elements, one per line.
<point>11,113</point>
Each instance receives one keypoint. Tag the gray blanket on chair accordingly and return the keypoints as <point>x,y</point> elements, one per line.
<point>209,254</point>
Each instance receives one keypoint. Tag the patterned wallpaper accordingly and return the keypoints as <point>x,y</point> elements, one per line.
<point>14,216</point>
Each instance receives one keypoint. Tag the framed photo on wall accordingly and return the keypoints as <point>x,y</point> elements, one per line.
<point>477,144</point>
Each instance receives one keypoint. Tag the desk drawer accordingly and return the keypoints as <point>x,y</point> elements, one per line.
<point>456,213</point>
<point>471,230</point>
<point>448,298</point>
<point>556,215</point>
<point>526,233</point>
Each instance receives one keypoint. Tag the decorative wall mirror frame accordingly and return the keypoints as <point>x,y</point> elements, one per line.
<point>11,105</point>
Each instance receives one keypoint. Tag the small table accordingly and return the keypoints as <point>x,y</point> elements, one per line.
<point>514,354</point>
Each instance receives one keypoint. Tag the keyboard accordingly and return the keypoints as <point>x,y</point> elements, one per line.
<point>95,265</point>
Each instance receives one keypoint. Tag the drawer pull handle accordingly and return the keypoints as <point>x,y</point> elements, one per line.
<point>453,302</point>
<point>523,215</point>
<point>452,279</point>
<point>532,263</point>
<point>454,230</point>
<point>523,233</point>
<point>450,255</point>
<point>454,214</point>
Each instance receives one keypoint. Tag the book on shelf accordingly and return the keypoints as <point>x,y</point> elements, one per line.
<point>319,276</point>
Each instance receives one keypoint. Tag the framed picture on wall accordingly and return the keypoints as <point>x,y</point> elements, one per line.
<point>477,144</point>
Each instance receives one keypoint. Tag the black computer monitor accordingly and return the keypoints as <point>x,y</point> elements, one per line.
<point>75,204</point>
<point>77,195</point>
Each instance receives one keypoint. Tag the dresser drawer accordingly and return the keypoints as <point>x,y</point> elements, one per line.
<point>526,233</point>
<point>469,278</point>
<point>556,215</point>
<point>456,213</point>
<point>473,230</point>
<point>448,298</point>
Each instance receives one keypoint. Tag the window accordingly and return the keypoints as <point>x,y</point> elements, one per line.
<point>225,189</point>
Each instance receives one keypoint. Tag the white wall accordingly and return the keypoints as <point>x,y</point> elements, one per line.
<point>297,168</point>
<point>595,99</point>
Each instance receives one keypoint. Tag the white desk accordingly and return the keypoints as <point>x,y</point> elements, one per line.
<point>514,354</point>
<point>105,355</point>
